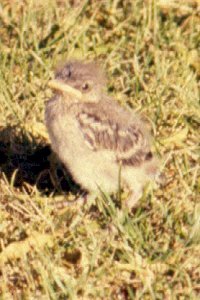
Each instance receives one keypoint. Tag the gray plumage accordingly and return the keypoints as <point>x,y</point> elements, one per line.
<point>95,137</point>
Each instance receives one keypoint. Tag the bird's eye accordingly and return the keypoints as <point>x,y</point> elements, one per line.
<point>85,87</point>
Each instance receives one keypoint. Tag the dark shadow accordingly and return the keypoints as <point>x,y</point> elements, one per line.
<point>32,160</point>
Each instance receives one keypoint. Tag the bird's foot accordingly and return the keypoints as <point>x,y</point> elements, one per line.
<point>80,199</point>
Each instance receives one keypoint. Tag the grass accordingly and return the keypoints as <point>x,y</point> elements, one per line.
<point>150,50</point>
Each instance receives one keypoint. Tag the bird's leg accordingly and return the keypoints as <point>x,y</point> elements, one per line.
<point>136,194</point>
<point>54,164</point>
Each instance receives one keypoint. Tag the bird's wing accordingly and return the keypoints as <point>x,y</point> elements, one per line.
<point>126,140</point>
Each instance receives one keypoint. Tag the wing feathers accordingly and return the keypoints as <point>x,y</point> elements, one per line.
<point>128,142</point>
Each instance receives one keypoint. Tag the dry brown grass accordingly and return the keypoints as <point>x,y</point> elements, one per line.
<point>150,50</point>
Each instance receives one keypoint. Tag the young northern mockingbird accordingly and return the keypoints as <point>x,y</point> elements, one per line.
<point>94,137</point>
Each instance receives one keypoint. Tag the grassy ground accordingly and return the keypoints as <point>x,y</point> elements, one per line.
<point>150,51</point>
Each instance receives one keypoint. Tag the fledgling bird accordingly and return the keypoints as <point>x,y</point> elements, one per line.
<point>94,137</point>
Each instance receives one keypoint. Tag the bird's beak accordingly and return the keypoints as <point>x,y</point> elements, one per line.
<point>63,87</point>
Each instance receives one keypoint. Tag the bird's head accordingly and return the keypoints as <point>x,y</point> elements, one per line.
<point>79,81</point>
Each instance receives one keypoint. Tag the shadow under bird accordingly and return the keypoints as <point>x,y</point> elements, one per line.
<point>94,137</point>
